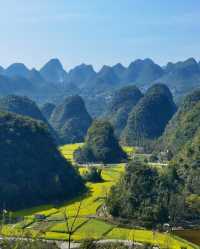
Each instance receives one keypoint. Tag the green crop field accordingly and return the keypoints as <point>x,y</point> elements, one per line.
<point>62,227</point>
<point>95,229</point>
<point>88,225</point>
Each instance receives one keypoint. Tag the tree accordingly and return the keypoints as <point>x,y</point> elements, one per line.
<point>93,174</point>
<point>70,229</point>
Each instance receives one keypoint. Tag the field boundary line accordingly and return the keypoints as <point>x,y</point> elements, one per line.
<point>185,241</point>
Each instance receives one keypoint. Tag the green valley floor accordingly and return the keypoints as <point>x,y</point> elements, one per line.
<point>88,223</point>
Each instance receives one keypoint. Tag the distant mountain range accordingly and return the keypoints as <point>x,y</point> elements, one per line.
<point>52,83</point>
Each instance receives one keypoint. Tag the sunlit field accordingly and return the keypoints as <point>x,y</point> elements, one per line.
<point>88,224</point>
<point>68,150</point>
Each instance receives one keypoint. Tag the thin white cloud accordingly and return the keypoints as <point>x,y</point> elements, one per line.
<point>58,17</point>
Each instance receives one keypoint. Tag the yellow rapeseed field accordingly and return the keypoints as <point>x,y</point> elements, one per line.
<point>87,225</point>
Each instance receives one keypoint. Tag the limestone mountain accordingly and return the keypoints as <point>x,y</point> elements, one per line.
<point>6,86</point>
<point>182,77</point>
<point>47,109</point>
<point>36,77</point>
<point>149,117</point>
<point>81,74</point>
<point>106,79</point>
<point>71,120</point>
<point>119,70</point>
<point>183,126</point>
<point>100,145</point>
<point>1,70</point>
<point>52,83</point>
<point>120,106</point>
<point>17,69</point>
<point>142,72</point>
<point>33,172</point>
<point>25,107</point>
<point>16,85</point>
<point>53,71</point>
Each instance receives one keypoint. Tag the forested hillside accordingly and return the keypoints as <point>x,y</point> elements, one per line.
<point>71,120</point>
<point>25,107</point>
<point>100,145</point>
<point>152,196</point>
<point>148,118</point>
<point>120,106</point>
<point>183,126</point>
<point>32,170</point>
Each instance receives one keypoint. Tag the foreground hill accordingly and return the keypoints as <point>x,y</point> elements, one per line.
<point>32,170</point>
<point>149,117</point>
<point>183,126</point>
<point>26,107</point>
<point>121,104</point>
<point>71,120</point>
<point>188,167</point>
<point>100,145</point>
<point>148,197</point>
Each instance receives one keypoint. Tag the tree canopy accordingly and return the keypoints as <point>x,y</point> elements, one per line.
<point>149,117</point>
<point>33,172</point>
<point>121,104</point>
<point>100,145</point>
<point>71,120</point>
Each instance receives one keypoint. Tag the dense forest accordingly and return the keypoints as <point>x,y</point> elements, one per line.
<point>33,172</point>
<point>183,126</point>
<point>100,145</point>
<point>71,120</point>
<point>121,104</point>
<point>149,117</point>
<point>150,197</point>
<point>144,197</point>
<point>26,107</point>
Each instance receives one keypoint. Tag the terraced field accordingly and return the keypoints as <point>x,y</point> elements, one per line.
<point>88,224</point>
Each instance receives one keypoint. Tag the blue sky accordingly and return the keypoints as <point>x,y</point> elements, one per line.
<point>98,31</point>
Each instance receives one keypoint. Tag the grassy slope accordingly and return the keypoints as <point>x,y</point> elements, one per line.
<point>87,225</point>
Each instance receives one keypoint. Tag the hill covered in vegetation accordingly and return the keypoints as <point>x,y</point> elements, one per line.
<point>143,196</point>
<point>149,117</point>
<point>32,170</point>
<point>100,146</point>
<point>183,126</point>
<point>25,107</point>
<point>187,163</point>
<point>71,120</point>
<point>149,198</point>
<point>121,104</point>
